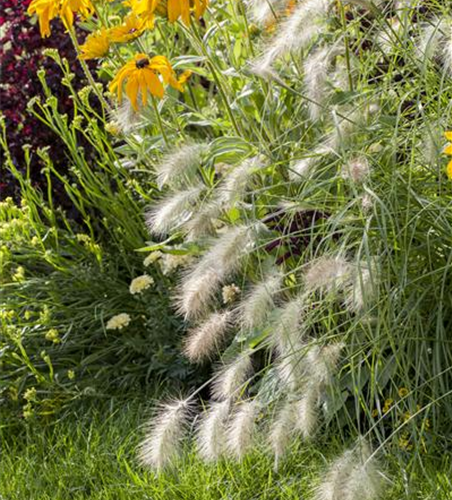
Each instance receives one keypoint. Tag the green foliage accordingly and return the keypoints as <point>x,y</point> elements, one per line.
<point>91,455</point>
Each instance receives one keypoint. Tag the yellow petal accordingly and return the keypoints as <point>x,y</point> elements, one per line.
<point>448,149</point>
<point>174,10</point>
<point>153,83</point>
<point>449,170</point>
<point>132,86</point>
<point>448,135</point>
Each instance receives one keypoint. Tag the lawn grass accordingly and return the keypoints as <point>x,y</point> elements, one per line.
<point>90,454</point>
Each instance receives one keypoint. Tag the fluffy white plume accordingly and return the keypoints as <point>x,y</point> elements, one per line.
<point>291,365</point>
<point>259,301</point>
<point>307,413</point>
<point>212,431</point>
<point>232,377</point>
<point>282,430</point>
<point>242,429</point>
<point>356,170</point>
<point>174,211</point>
<point>162,443</point>
<point>333,485</point>
<point>316,68</point>
<point>363,287</point>
<point>352,476</point>
<point>288,328</point>
<point>221,260</point>
<point>297,32</point>
<point>264,12</point>
<point>233,188</point>
<point>180,166</point>
<point>124,117</point>
<point>202,223</point>
<point>322,363</point>
<point>303,168</point>
<point>203,342</point>
<point>327,273</point>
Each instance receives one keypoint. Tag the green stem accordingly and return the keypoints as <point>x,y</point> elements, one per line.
<point>159,120</point>
<point>87,72</point>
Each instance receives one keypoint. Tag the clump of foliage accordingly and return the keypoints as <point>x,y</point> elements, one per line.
<point>21,55</point>
<point>314,205</point>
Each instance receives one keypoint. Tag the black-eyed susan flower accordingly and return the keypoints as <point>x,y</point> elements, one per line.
<point>96,45</point>
<point>131,28</point>
<point>46,10</point>
<point>144,10</point>
<point>448,151</point>
<point>142,75</point>
<point>173,9</point>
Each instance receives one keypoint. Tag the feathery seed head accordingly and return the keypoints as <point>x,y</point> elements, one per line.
<point>307,413</point>
<point>259,301</point>
<point>203,342</point>
<point>282,430</point>
<point>232,377</point>
<point>212,431</point>
<point>162,443</point>
<point>327,273</point>
<point>235,183</point>
<point>174,211</point>
<point>216,265</point>
<point>179,167</point>
<point>242,429</point>
<point>356,170</point>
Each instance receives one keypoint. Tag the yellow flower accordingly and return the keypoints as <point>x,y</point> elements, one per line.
<point>53,336</point>
<point>374,413</point>
<point>70,374</point>
<point>141,75</point>
<point>403,391</point>
<point>96,45</point>
<point>118,322</point>
<point>30,394</point>
<point>140,284</point>
<point>145,10</point>
<point>46,10</point>
<point>151,258</point>
<point>131,28</point>
<point>448,151</point>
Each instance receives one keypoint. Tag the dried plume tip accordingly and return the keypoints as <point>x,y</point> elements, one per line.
<point>212,431</point>
<point>205,340</point>
<point>180,166</point>
<point>163,440</point>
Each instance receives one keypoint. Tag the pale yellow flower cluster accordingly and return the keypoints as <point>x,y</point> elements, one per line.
<point>118,322</point>
<point>141,283</point>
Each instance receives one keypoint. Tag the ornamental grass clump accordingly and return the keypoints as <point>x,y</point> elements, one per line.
<point>290,187</point>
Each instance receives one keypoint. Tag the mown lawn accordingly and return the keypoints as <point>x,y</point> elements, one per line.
<point>90,454</point>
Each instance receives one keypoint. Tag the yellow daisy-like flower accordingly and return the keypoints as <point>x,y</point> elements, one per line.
<point>46,10</point>
<point>173,9</point>
<point>141,74</point>
<point>448,151</point>
<point>145,10</point>
<point>96,45</point>
<point>131,28</point>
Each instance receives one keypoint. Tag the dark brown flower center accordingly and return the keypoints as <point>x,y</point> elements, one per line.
<point>142,63</point>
